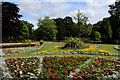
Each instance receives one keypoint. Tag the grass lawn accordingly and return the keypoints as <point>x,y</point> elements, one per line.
<point>50,46</point>
<point>45,47</point>
<point>109,47</point>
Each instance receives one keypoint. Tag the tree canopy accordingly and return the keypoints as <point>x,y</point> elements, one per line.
<point>46,29</point>
<point>10,21</point>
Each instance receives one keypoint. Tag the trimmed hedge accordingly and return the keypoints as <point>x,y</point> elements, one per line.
<point>17,45</point>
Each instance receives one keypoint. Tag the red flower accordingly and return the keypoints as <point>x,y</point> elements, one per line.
<point>62,77</point>
<point>66,72</point>
<point>73,67</point>
<point>41,74</point>
<point>53,65</point>
<point>53,76</point>
<point>58,64</point>
<point>53,70</point>
<point>56,72</point>
<point>45,73</point>
<point>74,71</point>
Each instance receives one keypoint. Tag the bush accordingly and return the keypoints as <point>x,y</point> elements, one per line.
<point>28,41</point>
<point>95,35</point>
<point>74,43</point>
<point>41,42</point>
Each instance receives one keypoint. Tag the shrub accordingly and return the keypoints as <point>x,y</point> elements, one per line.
<point>41,42</point>
<point>28,41</point>
<point>74,43</point>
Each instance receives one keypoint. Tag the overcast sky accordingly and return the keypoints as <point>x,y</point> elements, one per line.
<point>32,10</point>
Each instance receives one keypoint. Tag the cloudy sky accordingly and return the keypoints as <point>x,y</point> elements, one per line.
<point>32,10</point>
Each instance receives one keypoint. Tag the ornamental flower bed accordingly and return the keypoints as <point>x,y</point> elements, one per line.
<point>10,51</point>
<point>90,50</point>
<point>23,68</point>
<point>60,67</point>
<point>98,68</point>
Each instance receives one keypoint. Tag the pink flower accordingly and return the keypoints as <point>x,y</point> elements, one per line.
<point>110,69</point>
<point>95,74</point>
<point>29,67</point>
<point>17,69</point>
<point>26,75</point>
<point>80,77</point>
<point>99,71</point>
<point>21,76</point>
<point>113,66</point>
<point>12,73</point>
<point>72,77</point>
<point>75,77</point>
<point>74,74</point>
<point>88,74</point>
<point>107,73</point>
<point>87,68</point>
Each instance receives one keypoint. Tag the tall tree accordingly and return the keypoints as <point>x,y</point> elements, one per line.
<point>68,24</point>
<point>115,19</point>
<point>10,21</point>
<point>60,28</point>
<point>29,25</point>
<point>81,18</point>
<point>47,29</point>
<point>115,9</point>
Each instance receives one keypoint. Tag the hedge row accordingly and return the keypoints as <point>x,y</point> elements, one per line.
<point>17,45</point>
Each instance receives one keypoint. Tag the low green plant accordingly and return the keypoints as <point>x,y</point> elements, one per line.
<point>41,42</point>
<point>28,41</point>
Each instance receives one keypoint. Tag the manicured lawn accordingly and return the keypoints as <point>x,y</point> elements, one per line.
<point>109,47</point>
<point>50,46</point>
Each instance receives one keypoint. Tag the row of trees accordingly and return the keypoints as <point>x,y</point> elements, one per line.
<point>59,28</point>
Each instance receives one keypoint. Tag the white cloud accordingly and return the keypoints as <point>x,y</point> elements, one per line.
<point>27,6</point>
<point>93,3</point>
<point>34,9</point>
<point>89,13</point>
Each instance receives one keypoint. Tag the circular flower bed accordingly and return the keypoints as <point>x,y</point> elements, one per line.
<point>90,50</point>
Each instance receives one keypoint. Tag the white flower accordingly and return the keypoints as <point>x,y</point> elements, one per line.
<point>20,72</point>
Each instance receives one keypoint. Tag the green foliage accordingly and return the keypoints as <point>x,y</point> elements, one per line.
<point>28,41</point>
<point>30,26</point>
<point>115,9</point>
<point>10,21</point>
<point>24,32</point>
<point>95,35</point>
<point>41,42</point>
<point>47,29</point>
<point>74,43</point>
<point>81,18</point>
<point>105,29</point>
